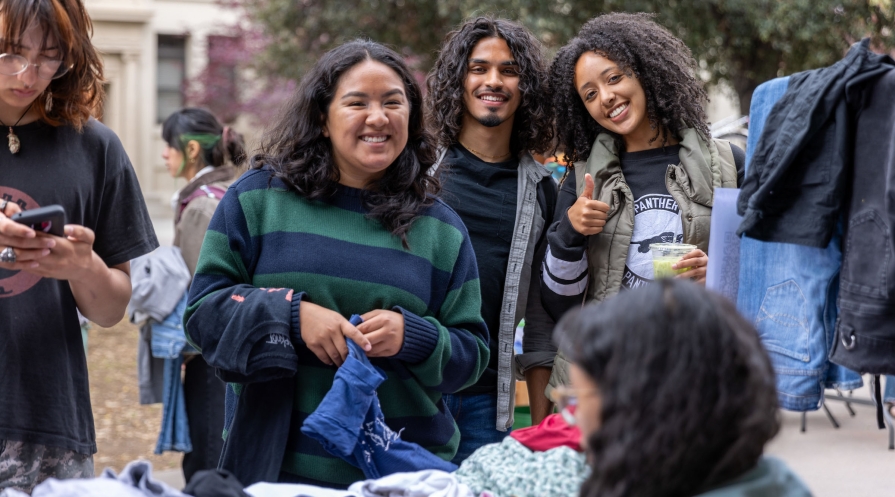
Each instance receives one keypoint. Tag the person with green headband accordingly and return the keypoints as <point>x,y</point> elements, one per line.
<point>206,154</point>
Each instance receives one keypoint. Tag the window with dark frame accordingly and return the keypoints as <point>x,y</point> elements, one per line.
<point>170,75</point>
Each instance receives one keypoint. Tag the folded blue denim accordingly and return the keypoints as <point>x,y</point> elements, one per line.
<point>349,423</point>
<point>789,293</point>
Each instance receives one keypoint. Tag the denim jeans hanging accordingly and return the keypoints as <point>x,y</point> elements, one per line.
<point>168,343</point>
<point>175,432</point>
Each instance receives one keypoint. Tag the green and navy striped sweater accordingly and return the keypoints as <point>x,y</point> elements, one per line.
<point>267,249</point>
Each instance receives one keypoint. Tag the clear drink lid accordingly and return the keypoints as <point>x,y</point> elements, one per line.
<point>671,249</point>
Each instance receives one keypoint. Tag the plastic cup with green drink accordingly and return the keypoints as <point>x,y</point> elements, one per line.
<point>666,255</point>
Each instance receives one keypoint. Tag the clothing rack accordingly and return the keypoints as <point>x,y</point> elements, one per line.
<point>848,401</point>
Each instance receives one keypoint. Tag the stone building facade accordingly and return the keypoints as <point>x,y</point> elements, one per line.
<point>150,48</point>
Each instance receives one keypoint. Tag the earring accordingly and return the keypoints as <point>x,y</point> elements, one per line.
<point>48,106</point>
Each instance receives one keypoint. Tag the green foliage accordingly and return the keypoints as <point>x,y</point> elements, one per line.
<point>744,42</point>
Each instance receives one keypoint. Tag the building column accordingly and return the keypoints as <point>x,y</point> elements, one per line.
<point>130,111</point>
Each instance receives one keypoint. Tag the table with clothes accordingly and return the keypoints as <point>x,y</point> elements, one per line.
<point>541,460</point>
<point>546,459</point>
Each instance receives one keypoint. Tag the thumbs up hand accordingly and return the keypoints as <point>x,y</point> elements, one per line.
<point>588,216</point>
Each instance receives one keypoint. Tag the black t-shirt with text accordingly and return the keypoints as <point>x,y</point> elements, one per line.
<point>657,216</point>
<point>44,397</point>
<point>484,195</point>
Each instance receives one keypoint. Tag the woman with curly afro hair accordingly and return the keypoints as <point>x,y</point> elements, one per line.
<point>630,117</point>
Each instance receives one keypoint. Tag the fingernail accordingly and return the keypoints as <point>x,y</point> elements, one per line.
<point>45,252</point>
<point>368,347</point>
<point>51,243</point>
<point>69,230</point>
<point>33,265</point>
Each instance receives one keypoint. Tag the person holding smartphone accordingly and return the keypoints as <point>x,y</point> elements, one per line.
<point>56,153</point>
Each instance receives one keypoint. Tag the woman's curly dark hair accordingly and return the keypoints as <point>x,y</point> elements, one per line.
<point>662,64</point>
<point>532,127</point>
<point>687,390</point>
<point>298,153</point>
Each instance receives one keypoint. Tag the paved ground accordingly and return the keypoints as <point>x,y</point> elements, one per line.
<point>853,460</point>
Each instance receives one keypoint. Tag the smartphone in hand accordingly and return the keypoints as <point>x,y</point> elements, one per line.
<point>49,219</point>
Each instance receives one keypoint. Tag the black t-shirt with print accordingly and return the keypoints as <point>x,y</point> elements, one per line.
<point>44,397</point>
<point>657,216</point>
<point>484,195</point>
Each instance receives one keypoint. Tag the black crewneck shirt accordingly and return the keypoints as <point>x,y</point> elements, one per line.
<point>484,195</point>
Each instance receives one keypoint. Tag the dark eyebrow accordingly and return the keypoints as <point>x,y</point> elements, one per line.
<point>483,61</point>
<point>352,94</point>
<point>25,47</point>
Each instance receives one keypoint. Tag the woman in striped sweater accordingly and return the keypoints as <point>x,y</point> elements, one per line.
<point>337,217</point>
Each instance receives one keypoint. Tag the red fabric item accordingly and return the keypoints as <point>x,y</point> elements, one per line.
<point>553,432</point>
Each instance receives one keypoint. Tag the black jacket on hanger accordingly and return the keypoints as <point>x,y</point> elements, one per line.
<point>793,191</point>
<point>865,338</point>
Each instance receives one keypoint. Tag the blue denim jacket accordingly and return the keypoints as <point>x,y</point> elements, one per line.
<point>168,338</point>
<point>789,293</point>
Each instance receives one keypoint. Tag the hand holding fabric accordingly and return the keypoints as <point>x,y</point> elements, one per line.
<point>697,261</point>
<point>324,332</point>
<point>385,331</point>
<point>588,216</point>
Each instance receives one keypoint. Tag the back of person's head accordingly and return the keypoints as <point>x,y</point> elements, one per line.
<point>218,143</point>
<point>66,29</point>
<point>687,391</point>
<point>532,128</point>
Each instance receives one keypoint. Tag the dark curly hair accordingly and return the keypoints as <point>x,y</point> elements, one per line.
<point>532,127</point>
<point>662,64</point>
<point>77,94</point>
<point>687,390</point>
<point>298,153</point>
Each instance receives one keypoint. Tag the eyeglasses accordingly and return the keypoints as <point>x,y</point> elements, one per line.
<point>566,400</point>
<point>48,69</point>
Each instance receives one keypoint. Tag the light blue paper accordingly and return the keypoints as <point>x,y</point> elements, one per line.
<point>723,272</point>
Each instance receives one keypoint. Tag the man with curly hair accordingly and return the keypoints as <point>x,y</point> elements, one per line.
<point>487,108</point>
<point>645,164</point>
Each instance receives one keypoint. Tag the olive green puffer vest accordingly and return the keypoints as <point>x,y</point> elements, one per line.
<point>704,166</point>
